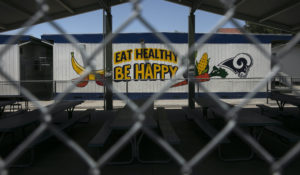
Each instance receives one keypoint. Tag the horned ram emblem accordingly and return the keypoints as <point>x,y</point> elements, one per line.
<point>240,64</point>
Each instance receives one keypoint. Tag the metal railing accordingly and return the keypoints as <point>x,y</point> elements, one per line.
<point>186,165</point>
<point>47,89</point>
<point>282,84</point>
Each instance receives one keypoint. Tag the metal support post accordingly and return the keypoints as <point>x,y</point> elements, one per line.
<point>191,71</point>
<point>108,62</point>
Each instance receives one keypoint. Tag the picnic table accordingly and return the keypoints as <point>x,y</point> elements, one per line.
<point>123,120</point>
<point>282,99</point>
<point>3,104</point>
<point>206,103</point>
<point>254,121</point>
<point>248,118</point>
<point>24,119</point>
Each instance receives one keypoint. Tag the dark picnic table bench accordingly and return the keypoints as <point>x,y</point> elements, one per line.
<point>269,111</point>
<point>166,128</point>
<point>256,122</point>
<point>123,120</point>
<point>246,116</point>
<point>18,121</point>
<point>125,117</point>
<point>282,99</point>
<point>22,120</point>
<point>206,127</point>
<point>3,104</point>
<point>46,135</point>
<point>249,118</point>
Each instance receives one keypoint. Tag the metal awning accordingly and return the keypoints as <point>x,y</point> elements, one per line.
<point>281,14</point>
<point>14,13</point>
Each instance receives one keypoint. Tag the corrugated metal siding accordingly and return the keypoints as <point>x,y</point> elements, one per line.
<point>217,53</point>
<point>220,52</point>
<point>10,64</point>
<point>63,71</point>
<point>290,65</point>
<point>232,83</point>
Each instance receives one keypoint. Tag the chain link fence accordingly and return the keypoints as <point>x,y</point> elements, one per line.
<point>186,165</point>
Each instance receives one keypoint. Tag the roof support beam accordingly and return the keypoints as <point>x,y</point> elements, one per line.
<point>279,11</point>
<point>2,27</point>
<point>65,6</point>
<point>296,28</point>
<point>104,5</point>
<point>196,5</point>
<point>15,7</point>
<point>238,3</point>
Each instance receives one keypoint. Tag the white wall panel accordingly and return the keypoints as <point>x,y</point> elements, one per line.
<point>291,61</point>
<point>220,52</point>
<point>10,65</point>
<point>217,53</point>
<point>63,71</point>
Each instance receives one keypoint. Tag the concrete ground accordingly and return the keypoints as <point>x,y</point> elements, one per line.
<point>53,157</point>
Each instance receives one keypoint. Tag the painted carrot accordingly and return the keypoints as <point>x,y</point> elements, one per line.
<point>100,80</point>
<point>180,83</point>
<point>82,83</point>
<point>202,77</point>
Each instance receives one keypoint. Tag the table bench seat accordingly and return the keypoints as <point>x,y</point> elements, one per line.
<point>268,111</point>
<point>166,128</point>
<point>101,137</point>
<point>289,136</point>
<point>23,119</point>
<point>206,127</point>
<point>64,126</point>
<point>47,134</point>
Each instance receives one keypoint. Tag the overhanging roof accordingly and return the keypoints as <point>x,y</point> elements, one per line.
<point>281,14</point>
<point>14,13</point>
<point>178,38</point>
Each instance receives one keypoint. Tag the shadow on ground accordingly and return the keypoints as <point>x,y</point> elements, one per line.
<point>53,157</point>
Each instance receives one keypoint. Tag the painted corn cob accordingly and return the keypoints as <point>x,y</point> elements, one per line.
<point>202,64</point>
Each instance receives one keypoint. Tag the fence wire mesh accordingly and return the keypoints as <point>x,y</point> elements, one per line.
<point>95,166</point>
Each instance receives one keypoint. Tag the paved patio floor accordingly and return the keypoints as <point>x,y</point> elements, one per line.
<point>53,157</point>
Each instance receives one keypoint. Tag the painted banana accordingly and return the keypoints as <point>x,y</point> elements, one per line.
<point>94,75</point>
<point>76,66</point>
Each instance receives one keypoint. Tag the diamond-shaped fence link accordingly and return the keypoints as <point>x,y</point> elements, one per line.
<point>231,114</point>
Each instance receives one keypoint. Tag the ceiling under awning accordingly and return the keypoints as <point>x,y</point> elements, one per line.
<point>14,13</point>
<point>281,14</point>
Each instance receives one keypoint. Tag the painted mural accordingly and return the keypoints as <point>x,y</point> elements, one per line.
<point>159,64</point>
<point>202,71</point>
<point>95,75</point>
<point>240,65</point>
<point>145,64</point>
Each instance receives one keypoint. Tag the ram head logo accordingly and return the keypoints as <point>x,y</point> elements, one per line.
<point>240,64</point>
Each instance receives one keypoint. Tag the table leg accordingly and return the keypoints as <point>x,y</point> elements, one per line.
<point>280,104</point>
<point>204,112</point>
<point>70,112</point>
<point>2,110</point>
<point>147,161</point>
